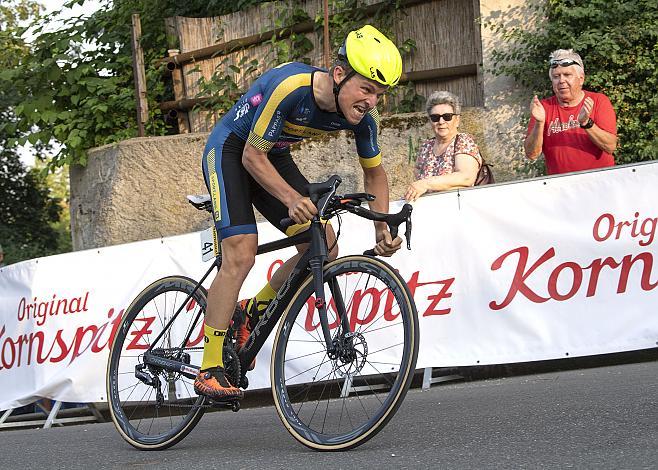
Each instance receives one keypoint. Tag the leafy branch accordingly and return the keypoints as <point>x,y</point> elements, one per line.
<point>619,45</point>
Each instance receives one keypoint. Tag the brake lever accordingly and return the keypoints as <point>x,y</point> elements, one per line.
<point>394,229</point>
<point>407,231</point>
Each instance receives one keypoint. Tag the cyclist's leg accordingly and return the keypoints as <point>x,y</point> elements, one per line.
<point>249,311</point>
<point>274,210</point>
<point>238,253</point>
<point>283,272</point>
<point>229,186</point>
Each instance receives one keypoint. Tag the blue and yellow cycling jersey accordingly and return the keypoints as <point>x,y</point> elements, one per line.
<point>279,109</point>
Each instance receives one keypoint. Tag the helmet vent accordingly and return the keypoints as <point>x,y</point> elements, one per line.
<point>377,39</point>
<point>381,76</point>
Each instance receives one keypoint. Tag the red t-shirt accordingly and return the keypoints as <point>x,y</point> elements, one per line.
<point>566,146</point>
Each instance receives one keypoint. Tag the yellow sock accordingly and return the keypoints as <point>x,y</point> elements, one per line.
<point>262,299</point>
<point>213,347</point>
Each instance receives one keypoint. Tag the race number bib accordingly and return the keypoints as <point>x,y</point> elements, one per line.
<point>209,244</point>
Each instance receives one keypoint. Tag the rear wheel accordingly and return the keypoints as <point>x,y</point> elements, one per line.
<point>153,408</point>
<point>339,400</point>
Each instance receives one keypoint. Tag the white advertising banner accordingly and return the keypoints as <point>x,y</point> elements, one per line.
<point>540,269</point>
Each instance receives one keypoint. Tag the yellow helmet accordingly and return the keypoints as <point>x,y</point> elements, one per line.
<point>372,55</point>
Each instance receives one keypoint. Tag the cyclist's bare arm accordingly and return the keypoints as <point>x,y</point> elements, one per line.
<point>376,182</point>
<point>300,208</point>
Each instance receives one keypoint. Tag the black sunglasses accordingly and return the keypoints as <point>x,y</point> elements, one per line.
<point>562,63</point>
<point>446,117</point>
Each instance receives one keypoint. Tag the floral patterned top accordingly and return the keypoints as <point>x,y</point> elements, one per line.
<point>428,164</point>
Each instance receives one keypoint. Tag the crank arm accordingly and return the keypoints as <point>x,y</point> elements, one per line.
<point>171,365</point>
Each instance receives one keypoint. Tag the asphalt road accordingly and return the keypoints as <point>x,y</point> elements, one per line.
<point>599,418</point>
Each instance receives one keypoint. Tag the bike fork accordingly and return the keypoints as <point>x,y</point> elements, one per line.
<point>320,303</point>
<point>341,312</point>
<point>316,264</point>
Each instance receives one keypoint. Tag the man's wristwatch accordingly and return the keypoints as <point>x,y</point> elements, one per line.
<point>588,124</point>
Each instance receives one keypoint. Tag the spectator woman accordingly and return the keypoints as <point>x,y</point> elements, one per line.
<point>450,159</point>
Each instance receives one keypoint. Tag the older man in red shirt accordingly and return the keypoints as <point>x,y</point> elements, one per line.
<point>575,129</point>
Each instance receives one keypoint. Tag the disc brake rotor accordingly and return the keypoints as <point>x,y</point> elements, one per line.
<point>352,357</point>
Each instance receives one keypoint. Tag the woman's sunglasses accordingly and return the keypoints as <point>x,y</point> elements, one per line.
<point>446,117</point>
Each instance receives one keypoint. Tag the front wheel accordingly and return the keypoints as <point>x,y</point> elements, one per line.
<point>339,400</point>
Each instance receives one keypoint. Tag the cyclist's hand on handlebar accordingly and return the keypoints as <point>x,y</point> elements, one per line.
<point>386,246</point>
<point>302,210</point>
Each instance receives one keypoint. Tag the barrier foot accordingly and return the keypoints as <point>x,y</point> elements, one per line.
<point>5,415</point>
<point>428,379</point>
<point>347,386</point>
<point>97,414</point>
<point>52,415</point>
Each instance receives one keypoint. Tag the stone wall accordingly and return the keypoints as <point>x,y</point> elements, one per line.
<point>506,102</point>
<point>135,190</point>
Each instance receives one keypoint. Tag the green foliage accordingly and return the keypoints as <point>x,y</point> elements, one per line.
<point>412,150</point>
<point>12,15</point>
<point>347,15</point>
<point>230,81</point>
<point>13,50</point>
<point>28,212</point>
<point>222,89</point>
<point>618,41</point>
<point>296,46</point>
<point>76,86</point>
<point>408,101</point>
<point>57,182</point>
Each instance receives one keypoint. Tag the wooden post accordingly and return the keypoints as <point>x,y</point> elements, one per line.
<point>177,78</point>
<point>139,75</point>
<point>327,47</point>
<point>477,42</point>
<point>179,94</point>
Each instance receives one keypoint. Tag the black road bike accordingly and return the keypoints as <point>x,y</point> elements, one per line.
<point>343,358</point>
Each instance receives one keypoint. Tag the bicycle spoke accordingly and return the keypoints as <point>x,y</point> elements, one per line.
<point>153,416</point>
<point>359,387</point>
<point>303,356</point>
<point>308,388</point>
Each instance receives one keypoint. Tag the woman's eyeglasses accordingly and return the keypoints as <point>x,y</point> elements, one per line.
<point>446,117</point>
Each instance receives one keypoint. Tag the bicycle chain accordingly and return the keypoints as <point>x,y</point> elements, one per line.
<point>233,371</point>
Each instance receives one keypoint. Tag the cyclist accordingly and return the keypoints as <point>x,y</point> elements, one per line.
<point>247,162</point>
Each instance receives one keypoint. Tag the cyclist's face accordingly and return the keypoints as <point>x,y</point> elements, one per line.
<point>358,96</point>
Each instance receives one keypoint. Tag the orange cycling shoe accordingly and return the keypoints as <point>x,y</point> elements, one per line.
<point>212,383</point>
<point>242,327</point>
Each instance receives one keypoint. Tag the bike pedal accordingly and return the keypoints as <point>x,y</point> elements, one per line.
<point>244,383</point>
<point>233,405</point>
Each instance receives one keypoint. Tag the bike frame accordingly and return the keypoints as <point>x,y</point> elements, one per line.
<point>312,260</point>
